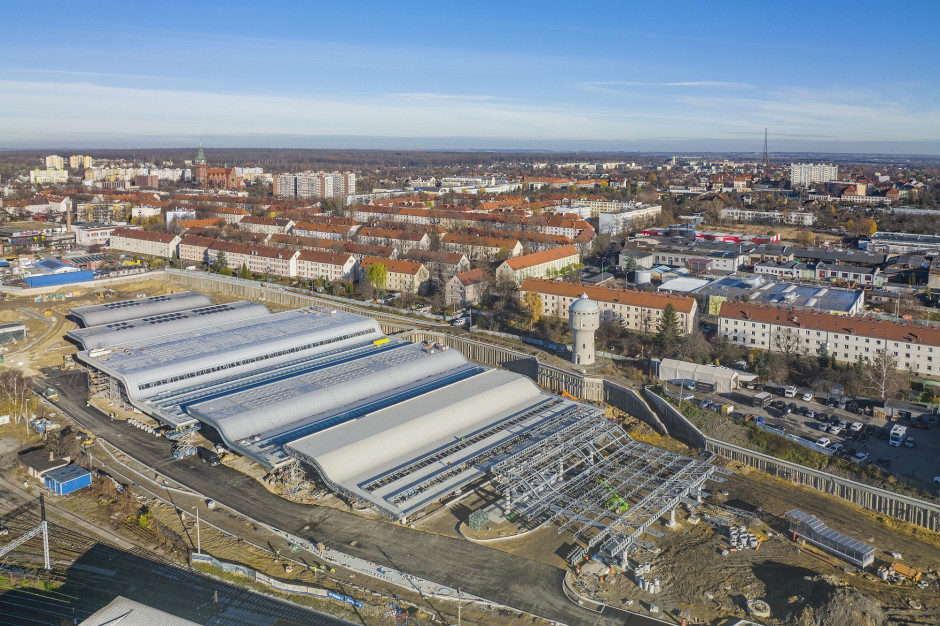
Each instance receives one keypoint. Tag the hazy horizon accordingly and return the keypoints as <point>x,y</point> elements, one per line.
<point>614,76</point>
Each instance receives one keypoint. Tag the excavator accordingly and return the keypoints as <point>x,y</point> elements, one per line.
<point>616,503</point>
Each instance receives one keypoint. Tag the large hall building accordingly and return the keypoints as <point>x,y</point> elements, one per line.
<point>384,422</point>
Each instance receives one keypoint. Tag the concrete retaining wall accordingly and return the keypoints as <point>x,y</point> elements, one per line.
<point>911,510</point>
<point>630,402</point>
<point>678,427</point>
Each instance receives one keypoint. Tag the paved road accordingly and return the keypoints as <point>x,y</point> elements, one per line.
<point>511,580</point>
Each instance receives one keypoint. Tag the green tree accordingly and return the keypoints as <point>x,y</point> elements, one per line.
<point>377,274</point>
<point>220,263</point>
<point>245,273</point>
<point>667,331</point>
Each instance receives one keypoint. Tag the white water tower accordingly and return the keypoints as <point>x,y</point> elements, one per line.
<point>584,317</point>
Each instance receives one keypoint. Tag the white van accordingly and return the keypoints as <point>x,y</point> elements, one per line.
<point>789,392</point>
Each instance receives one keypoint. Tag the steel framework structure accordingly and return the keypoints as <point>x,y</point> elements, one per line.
<point>592,476</point>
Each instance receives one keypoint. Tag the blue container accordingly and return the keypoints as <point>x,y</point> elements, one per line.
<point>49,280</point>
<point>65,480</point>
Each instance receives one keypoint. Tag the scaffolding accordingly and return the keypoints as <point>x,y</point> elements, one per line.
<point>813,530</point>
<point>592,479</point>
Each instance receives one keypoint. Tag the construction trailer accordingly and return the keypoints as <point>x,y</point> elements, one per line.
<point>64,480</point>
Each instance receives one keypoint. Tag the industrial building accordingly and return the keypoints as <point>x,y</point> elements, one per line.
<point>111,312</point>
<point>388,423</point>
<point>112,334</point>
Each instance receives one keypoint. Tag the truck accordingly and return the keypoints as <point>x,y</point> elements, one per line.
<point>209,456</point>
<point>51,394</point>
<point>761,399</point>
<point>897,435</point>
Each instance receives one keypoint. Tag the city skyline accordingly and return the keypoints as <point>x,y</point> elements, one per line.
<point>642,78</point>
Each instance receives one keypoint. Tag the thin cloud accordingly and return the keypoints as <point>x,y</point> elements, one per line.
<point>73,73</point>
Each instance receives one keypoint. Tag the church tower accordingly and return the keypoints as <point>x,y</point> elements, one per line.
<point>199,169</point>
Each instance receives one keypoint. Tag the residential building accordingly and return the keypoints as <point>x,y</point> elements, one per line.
<point>324,231</point>
<point>143,212</point>
<point>258,259</point>
<point>331,266</point>
<point>636,310</point>
<point>103,211</point>
<point>465,288</point>
<point>266,225</point>
<point>441,265</point>
<point>231,215</point>
<point>476,247</point>
<point>913,347</point>
<point>850,274</point>
<point>401,239</point>
<point>144,242</point>
<point>403,276</point>
<point>804,174</point>
<point>194,249</point>
<point>790,218</point>
<point>614,222</point>
<point>545,264</point>
<point>55,162</point>
<point>48,176</point>
<point>314,185</point>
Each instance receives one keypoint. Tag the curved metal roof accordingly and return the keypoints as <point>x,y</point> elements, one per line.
<point>129,331</point>
<point>313,396</point>
<point>110,312</point>
<point>167,363</point>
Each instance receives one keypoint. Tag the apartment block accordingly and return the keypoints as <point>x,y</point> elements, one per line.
<point>404,276</point>
<point>144,242</point>
<point>914,347</point>
<point>636,310</point>
<point>544,264</point>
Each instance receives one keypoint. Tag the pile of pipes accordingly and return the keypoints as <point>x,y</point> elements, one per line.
<point>741,539</point>
<point>652,585</point>
<point>142,426</point>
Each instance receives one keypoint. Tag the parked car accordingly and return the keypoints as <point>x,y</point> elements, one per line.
<point>835,429</point>
<point>704,402</point>
<point>836,447</point>
<point>807,397</point>
<point>883,462</point>
<point>832,402</point>
<point>810,413</point>
<point>823,441</point>
<point>909,442</point>
<point>860,457</point>
<point>789,391</point>
<point>778,404</point>
<point>841,405</point>
<point>855,427</point>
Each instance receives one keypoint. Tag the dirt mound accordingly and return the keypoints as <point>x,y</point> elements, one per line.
<point>840,607</point>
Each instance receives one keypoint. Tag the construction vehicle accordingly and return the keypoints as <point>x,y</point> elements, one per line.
<point>616,503</point>
<point>50,394</point>
<point>565,394</point>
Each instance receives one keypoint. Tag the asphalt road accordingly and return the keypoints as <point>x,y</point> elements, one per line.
<point>511,580</point>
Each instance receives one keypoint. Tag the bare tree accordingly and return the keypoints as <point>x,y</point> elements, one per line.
<point>786,341</point>
<point>881,377</point>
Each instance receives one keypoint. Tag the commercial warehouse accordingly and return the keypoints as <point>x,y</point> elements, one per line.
<point>388,423</point>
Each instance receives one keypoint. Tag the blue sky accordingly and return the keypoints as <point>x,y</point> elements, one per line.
<point>678,76</point>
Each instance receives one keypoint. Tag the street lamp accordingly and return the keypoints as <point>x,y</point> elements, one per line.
<point>198,537</point>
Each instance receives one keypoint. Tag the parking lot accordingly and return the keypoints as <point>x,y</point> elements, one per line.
<point>918,463</point>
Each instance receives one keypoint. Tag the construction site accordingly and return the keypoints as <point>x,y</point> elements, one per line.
<point>328,411</point>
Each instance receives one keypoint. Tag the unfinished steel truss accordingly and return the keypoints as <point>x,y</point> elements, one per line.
<point>593,479</point>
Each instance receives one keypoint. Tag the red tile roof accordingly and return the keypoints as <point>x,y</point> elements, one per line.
<point>545,256</point>
<point>143,235</point>
<point>842,324</point>
<point>646,299</point>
